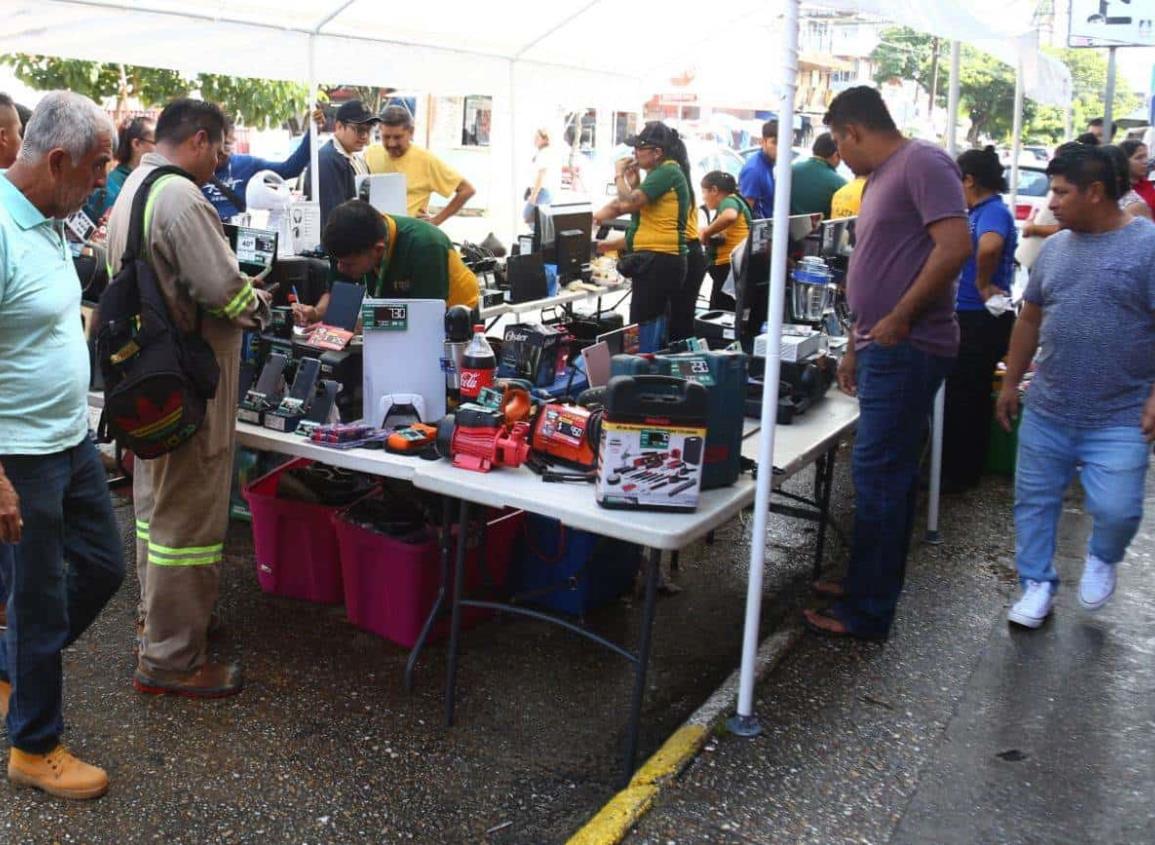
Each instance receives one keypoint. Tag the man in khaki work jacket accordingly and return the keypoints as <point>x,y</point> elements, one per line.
<point>182,498</point>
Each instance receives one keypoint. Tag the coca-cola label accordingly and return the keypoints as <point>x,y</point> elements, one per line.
<point>472,381</point>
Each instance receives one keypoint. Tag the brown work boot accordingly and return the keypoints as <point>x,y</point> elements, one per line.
<point>213,680</point>
<point>5,694</point>
<point>57,773</point>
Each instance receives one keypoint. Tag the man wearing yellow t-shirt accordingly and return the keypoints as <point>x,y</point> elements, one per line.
<point>425,173</point>
<point>847,199</point>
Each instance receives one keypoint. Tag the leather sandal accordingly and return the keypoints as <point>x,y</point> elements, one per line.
<point>828,623</point>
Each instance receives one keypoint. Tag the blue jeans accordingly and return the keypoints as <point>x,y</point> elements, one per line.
<point>543,198</point>
<point>896,387</point>
<point>65,568</point>
<point>1112,464</point>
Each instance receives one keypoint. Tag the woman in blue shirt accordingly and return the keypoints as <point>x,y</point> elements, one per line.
<point>985,320</point>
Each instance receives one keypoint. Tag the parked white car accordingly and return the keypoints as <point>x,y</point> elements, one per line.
<point>1032,193</point>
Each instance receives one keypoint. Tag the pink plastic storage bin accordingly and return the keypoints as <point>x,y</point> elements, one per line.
<point>390,586</point>
<point>295,544</point>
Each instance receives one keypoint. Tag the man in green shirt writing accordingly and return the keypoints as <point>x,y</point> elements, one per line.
<point>393,257</point>
<point>816,180</point>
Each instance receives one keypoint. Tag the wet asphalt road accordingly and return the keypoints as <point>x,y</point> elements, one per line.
<point>960,729</point>
<point>325,746</point>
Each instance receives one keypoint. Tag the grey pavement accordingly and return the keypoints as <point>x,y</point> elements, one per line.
<point>325,746</point>
<point>960,729</point>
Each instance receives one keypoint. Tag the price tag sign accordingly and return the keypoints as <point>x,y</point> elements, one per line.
<point>385,318</point>
<point>694,368</point>
<point>81,225</point>
<point>651,439</point>
<point>305,225</point>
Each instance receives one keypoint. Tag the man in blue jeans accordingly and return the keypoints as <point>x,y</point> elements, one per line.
<point>1089,310</point>
<point>61,556</point>
<point>912,241</point>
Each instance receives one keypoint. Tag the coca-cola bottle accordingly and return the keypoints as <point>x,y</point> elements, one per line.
<point>478,365</point>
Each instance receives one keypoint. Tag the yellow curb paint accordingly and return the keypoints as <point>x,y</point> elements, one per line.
<point>625,809</point>
<point>615,819</point>
<point>672,757</point>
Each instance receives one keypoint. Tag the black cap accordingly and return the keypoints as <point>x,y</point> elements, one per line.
<point>654,134</point>
<point>458,324</point>
<point>354,111</point>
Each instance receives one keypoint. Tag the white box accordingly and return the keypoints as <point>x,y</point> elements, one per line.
<point>798,344</point>
<point>403,355</point>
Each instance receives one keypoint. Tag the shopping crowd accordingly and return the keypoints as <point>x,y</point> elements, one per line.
<point>929,285</point>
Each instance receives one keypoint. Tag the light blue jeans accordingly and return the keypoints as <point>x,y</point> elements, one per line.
<point>1112,466</point>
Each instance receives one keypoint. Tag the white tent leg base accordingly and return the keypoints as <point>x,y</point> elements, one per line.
<point>744,726</point>
<point>933,538</point>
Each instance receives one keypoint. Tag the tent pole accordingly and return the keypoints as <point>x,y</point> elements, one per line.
<point>745,723</point>
<point>314,141</point>
<point>516,220</point>
<point>952,102</point>
<point>1017,132</point>
<point>939,413</point>
<point>1109,99</point>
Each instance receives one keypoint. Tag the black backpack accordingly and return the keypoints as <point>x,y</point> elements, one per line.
<point>157,379</point>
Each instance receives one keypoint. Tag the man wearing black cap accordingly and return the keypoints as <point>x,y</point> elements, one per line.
<point>336,162</point>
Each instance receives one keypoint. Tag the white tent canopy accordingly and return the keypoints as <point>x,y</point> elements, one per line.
<point>448,46</point>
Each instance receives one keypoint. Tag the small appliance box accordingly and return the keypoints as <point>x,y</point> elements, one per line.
<point>530,351</point>
<point>653,441</point>
<point>799,343</point>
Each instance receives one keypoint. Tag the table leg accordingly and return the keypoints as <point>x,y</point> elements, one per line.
<point>652,562</point>
<point>439,602</point>
<point>825,469</point>
<point>455,615</point>
<point>673,563</point>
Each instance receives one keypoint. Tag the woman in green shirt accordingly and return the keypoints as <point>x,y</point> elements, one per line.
<point>728,229</point>
<point>656,239</point>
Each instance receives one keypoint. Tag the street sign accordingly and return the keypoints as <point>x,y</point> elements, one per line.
<point>1112,23</point>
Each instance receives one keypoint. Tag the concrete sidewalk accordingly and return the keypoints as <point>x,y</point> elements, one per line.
<point>959,729</point>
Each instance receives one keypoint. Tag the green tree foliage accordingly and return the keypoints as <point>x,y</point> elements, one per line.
<point>373,98</point>
<point>1089,80</point>
<point>987,93</point>
<point>255,102</point>
<point>903,53</point>
<point>987,87</point>
<point>259,103</point>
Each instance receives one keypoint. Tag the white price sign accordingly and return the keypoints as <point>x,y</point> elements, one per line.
<point>1112,23</point>
<point>305,225</point>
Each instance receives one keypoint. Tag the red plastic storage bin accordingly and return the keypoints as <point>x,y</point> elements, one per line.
<point>294,542</point>
<point>390,586</point>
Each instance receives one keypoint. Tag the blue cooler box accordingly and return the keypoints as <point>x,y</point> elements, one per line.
<point>570,571</point>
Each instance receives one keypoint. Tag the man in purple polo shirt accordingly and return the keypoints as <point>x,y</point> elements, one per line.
<point>912,241</point>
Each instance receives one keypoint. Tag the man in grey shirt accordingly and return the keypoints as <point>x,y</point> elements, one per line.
<point>1089,310</point>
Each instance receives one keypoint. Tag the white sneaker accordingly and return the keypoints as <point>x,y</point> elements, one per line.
<point>1097,584</point>
<point>1035,606</point>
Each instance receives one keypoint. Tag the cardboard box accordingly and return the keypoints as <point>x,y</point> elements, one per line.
<point>530,351</point>
<point>798,344</point>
